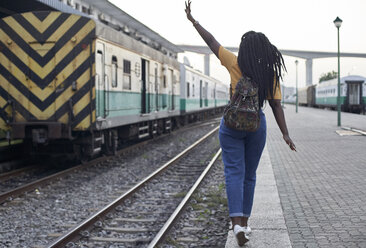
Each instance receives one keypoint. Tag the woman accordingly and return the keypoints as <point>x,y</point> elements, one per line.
<point>241,151</point>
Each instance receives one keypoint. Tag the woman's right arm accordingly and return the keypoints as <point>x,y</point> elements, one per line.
<point>281,122</point>
<point>206,36</point>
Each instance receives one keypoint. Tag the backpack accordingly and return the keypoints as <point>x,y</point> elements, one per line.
<point>242,112</point>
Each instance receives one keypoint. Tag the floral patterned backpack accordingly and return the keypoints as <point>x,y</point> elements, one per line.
<point>242,113</point>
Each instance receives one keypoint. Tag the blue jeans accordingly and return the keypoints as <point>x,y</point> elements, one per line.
<point>241,152</point>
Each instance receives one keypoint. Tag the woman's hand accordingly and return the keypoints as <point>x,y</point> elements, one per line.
<point>289,142</point>
<point>188,11</point>
<point>280,119</point>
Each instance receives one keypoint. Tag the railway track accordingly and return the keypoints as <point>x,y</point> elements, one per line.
<point>16,183</point>
<point>49,210</point>
<point>143,215</point>
<point>9,173</point>
<point>33,170</point>
<point>11,152</point>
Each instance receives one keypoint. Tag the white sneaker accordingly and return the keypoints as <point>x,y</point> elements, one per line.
<point>247,230</point>
<point>241,236</point>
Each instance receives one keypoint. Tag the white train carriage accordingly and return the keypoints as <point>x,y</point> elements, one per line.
<point>306,96</point>
<point>135,84</point>
<point>222,94</point>
<point>352,93</point>
<point>200,93</point>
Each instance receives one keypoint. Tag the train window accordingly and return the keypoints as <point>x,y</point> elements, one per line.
<point>205,91</point>
<point>187,89</point>
<point>99,68</point>
<point>77,6</point>
<point>114,72</point>
<point>85,10</point>
<point>126,74</point>
<point>164,81</point>
<point>156,76</point>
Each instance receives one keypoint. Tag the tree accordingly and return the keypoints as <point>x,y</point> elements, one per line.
<point>328,76</point>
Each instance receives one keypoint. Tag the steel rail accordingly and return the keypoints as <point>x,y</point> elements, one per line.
<point>74,233</point>
<point>164,230</point>
<point>33,185</point>
<point>6,175</point>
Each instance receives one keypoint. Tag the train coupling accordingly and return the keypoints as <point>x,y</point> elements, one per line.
<point>40,132</point>
<point>39,135</point>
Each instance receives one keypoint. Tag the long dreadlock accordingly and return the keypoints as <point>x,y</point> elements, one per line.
<point>262,62</point>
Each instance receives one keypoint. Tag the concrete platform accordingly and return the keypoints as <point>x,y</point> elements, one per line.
<point>322,185</point>
<point>267,221</point>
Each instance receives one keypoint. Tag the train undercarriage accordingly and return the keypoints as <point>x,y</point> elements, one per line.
<point>53,139</point>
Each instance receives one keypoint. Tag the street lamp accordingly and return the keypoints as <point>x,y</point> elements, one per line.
<point>297,93</point>
<point>338,23</point>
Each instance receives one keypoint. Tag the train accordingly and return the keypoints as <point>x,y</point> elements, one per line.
<point>324,94</point>
<point>73,84</point>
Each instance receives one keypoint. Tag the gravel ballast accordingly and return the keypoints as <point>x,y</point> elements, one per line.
<point>37,218</point>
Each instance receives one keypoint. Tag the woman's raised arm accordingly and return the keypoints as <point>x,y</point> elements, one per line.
<point>206,36</point>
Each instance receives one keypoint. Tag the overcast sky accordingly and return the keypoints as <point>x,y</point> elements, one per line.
<point>289,24</point>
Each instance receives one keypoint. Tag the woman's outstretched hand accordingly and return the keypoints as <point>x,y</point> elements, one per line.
<point>289,142</point>
<point>206,36</point>
<point>188,11</point>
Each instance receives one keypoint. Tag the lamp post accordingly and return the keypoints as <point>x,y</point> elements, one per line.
<point>338,22</point>
<point>297,93</point>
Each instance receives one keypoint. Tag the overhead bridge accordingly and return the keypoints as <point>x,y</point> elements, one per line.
<point>308,55</point>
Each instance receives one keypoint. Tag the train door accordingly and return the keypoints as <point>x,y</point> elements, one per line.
<point>214,95</point>
<point>206,94</point>
<point>201,97</point>
<point>150,90</point>
<point>145,96</point>
<point>354,93</point>
<point>173,91</point>
<point>100,80</point>
<point>44,79</point>
<point>156,87</point>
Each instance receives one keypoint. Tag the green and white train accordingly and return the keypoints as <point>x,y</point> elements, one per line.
<point>90,87</point>
<point>143,92</point>
<point>324,94</point>
<point>200,92</point>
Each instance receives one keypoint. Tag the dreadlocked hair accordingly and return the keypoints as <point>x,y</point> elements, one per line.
<point>261,61</point>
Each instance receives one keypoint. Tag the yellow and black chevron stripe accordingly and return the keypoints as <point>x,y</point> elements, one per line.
<point>42,54</point>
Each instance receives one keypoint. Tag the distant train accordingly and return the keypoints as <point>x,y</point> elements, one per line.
<point>73,84</point>
<point>324,94</point>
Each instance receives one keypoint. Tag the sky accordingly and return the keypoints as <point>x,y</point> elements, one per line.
<point>289,24</point>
